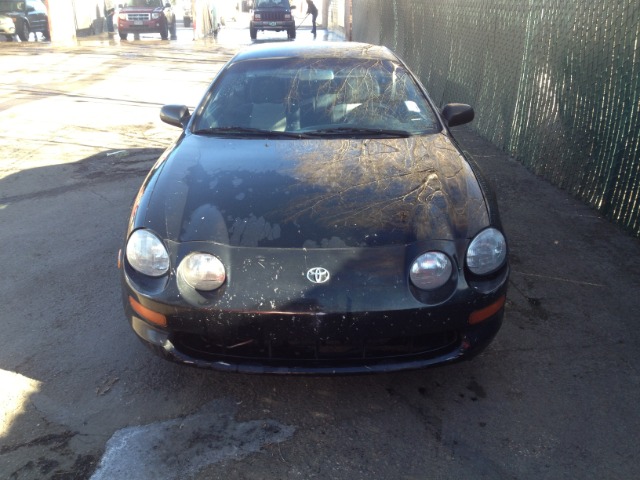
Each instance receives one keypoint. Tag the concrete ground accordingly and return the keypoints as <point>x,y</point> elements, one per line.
<point>555,396</point>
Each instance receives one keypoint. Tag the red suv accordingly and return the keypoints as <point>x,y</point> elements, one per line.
<point>146,16</point>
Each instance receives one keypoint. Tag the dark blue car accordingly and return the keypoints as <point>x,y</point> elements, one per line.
<point>315,216</point>
<point>28,16</point>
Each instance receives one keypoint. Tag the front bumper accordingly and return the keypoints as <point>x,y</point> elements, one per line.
<point>318,344</point>
<point>273,26</point>
<point>153,26</point>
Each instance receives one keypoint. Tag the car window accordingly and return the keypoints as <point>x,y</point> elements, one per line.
<point>298,95</point>
<point>37,5</point>
<point>11,6</point>
<point>144,3</point>
<point>272,3</point>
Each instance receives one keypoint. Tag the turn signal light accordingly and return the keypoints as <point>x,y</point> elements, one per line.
<point>484,313</point>
<point>149,315</point>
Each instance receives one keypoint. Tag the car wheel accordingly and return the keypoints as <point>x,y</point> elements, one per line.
<point>24,32</point>
<point>123,36</point>
<point>164,31</point>
<point>46,34</point>
<point>292,33</point>
<point>253,33</point>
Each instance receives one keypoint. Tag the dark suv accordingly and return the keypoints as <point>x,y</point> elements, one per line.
<point>146,16</point>
<point>28,16</point>
<point>272,15</point>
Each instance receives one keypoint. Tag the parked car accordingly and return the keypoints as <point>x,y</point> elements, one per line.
<point>273,15</point>
<point>7,27</point>
<point>146,16</point>
<point>315,216</point>
<point>28,16</point>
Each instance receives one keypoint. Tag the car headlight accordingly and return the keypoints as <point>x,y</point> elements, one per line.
<point>430,270</point>
<point>155,15</point>
<point>147,254</point>
<point>487,252</point>
<point>202,271</point>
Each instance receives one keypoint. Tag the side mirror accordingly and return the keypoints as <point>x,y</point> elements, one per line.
<point>457,114</point>
<point>167,5</point>
<point>176,115</point>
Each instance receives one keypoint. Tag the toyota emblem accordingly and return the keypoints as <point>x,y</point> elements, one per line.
<point>318,275</point>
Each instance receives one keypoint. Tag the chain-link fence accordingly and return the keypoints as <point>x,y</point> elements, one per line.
<point>554,82</point>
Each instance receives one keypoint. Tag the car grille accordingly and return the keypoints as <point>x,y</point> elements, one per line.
<point>272,16</point>
<point>138,17</point>
<point>318,354</point>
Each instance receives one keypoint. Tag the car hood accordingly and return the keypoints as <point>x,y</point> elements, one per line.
<point>311,193</point>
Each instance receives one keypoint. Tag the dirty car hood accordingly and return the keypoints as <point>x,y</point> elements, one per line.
<point>312,193</point>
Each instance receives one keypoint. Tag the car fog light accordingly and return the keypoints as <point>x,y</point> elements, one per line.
<point>202,271</point>
<point>487,252</point>
<point>430,270</point>
<point>146,253</point>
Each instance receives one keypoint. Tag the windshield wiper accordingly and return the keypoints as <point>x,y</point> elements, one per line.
<point>358,132</point>
<point>249,132</point>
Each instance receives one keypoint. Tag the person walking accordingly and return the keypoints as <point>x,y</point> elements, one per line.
<point>313,10</point>
<point>109,12</point>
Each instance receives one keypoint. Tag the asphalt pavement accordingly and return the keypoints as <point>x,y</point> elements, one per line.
<point>554,397</point>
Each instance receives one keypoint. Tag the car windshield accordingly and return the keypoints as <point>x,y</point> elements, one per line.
<point>144,3</point>
<point>11,6</point>
<point>319,97</point>
<point>272,3</point>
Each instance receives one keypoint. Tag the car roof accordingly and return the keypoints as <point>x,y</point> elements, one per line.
<point>336,50</point>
